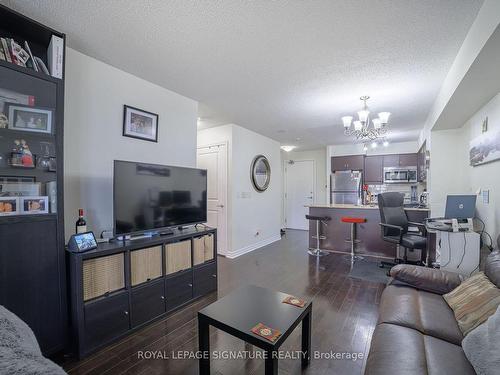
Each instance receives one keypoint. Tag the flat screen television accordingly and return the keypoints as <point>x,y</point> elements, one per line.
<point>153,198</point>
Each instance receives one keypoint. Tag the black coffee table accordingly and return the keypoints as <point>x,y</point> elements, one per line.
<point>240,311</point>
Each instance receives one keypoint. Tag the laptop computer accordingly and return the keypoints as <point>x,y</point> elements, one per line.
<point>460,207</point>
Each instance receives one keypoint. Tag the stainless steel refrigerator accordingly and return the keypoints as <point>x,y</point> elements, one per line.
<point>345,187</point>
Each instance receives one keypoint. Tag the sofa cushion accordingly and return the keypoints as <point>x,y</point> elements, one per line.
<point>425,312</point>
<point>403,351</point>
<point>431,280</point>
<point>473,301</point>
<point>492,267</point>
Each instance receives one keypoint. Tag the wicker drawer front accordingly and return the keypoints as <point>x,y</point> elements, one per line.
<point>209,247</point>
<point>203,249</point>
<point>145,265</point>
<point>178,256</point>
<point>198,250</point>
<point>103,275</point>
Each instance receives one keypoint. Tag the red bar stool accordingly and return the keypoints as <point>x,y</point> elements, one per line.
<point>353,221</point>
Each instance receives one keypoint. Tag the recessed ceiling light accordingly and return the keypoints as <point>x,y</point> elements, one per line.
<point>288,148</point>
<point>297,139</point>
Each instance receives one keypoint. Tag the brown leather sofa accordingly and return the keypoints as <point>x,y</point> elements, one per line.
<point>416,331</point>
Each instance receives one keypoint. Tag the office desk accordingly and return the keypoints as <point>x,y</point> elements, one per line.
<point>457,251</point>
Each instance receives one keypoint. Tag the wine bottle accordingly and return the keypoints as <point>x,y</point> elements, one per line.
<point>81,224</point>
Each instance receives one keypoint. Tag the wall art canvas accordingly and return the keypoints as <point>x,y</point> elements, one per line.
<point>485,148</point>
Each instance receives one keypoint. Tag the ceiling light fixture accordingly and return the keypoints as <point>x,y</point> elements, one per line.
<point>363,129</point>
<point>288,148</point>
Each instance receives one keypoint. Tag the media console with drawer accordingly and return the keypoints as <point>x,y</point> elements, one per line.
<point>122,286</point>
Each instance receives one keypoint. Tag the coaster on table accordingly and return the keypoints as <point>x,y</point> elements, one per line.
<point>266,332</point>
<point>291,300</point>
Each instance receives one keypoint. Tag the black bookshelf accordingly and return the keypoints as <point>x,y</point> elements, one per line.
<point>32,256</point>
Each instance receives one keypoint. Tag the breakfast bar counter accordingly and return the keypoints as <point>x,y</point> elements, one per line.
<point>368,233</point>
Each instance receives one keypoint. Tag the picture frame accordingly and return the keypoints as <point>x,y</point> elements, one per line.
<point>30,119</point>
<point>485,148</point>
<point>140,124</point>
<point>9,206</point>
<point>34,205</point>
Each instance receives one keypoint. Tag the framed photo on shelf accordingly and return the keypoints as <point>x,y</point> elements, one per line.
<point>30,119</point>
<point>9,206</point>
<point>140,124</point>
<point>34,205</point>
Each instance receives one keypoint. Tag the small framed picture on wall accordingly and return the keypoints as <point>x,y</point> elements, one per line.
<point>140,124</point>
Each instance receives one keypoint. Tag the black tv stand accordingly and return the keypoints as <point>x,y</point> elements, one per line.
<point>128,285</point>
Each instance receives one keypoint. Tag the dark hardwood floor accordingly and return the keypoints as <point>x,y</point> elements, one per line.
<point>344,317</point>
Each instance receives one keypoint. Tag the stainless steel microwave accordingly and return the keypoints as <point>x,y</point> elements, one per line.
<point>397,175</point>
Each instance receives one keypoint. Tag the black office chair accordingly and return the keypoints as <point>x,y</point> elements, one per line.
<point>394,227</point>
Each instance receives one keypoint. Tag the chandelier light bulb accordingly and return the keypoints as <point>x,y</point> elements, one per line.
<point>377,123</point>
<point>374,144</point>
<point>346,120</point>
<point>358,125</point>
<point>386,143</point>
<point>384,117</point>
<point>365,148</point>
<point>363,115</point>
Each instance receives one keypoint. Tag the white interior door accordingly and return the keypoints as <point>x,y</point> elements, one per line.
<point>299,191</point>
<point>214,160</point>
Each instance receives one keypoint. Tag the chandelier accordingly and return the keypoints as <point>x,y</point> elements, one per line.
<point>365,129</point>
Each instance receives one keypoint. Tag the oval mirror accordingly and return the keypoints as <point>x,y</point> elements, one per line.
<point>260,173</point>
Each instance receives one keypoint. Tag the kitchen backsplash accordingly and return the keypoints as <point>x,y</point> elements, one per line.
<point>402,188</point>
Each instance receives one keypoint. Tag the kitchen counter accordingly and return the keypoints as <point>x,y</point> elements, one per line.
<point>368,232</point>
<point>362,207</point>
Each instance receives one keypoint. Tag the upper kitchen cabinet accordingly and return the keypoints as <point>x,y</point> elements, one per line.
<point>400,160</point>
<point>408,160</point>
<point>374,170</point>
<point>347,163</point>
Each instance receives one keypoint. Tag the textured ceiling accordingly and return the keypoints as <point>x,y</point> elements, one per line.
<point>286,69</point>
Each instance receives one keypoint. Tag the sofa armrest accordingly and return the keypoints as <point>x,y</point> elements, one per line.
<point>429,279</point>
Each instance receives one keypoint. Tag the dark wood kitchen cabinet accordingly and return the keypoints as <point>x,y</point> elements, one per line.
<point>391,161</point>
<point>374,170</point>
<point>408,160</point>
<point>400,160</point>
<point>347,163</point>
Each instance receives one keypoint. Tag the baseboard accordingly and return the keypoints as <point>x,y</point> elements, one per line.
<point>252,247</point>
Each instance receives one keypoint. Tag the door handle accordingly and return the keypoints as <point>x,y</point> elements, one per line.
<point>220,205</point>
<point>309,197</point>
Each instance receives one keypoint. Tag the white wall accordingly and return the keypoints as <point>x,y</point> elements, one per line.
<point>249,212</point>
<point>447,168</point>
<point>451,171</point>
<point>94,99</point>
<point>487,176</point>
